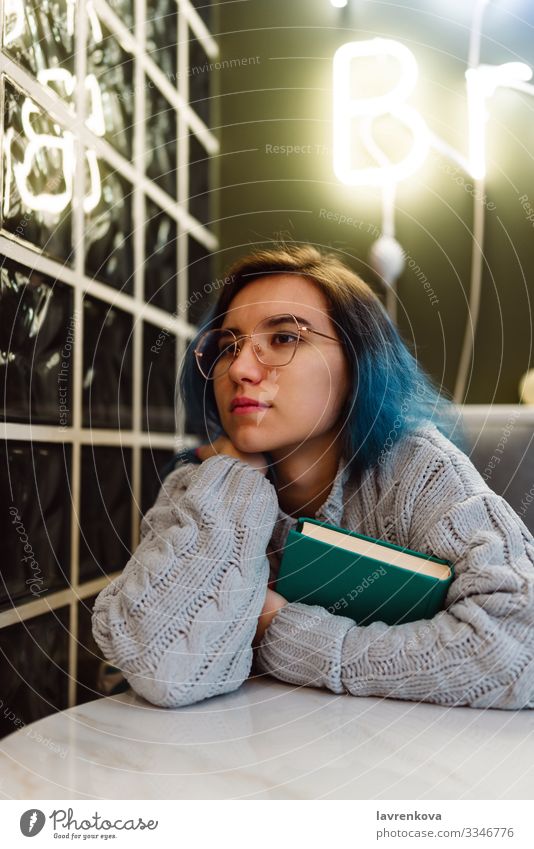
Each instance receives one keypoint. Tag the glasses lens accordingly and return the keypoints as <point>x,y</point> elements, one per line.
<point>215,352</point>
<point>275,340</point>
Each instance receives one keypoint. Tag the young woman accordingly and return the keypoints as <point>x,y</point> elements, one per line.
<point>308,403</point>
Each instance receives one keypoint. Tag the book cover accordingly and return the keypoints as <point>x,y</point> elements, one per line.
<point>362,587</point>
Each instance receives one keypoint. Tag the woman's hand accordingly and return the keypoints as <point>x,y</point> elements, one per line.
<point>272,604</point>
<point>223,445</point>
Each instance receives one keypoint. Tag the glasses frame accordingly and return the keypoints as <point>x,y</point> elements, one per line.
<point>237,350</point>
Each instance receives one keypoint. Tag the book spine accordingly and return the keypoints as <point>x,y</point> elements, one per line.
<point>436,598</point>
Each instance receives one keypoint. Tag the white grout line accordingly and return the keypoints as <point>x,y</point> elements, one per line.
<point>76,360</point>
<point>54,269</point>
<point>182,280</point>
<point>139,218</point>
<point>183,130</point>
<point>61,598</point>
<point>199,28</point>
<point>119,438</point>
<point>524,412</point>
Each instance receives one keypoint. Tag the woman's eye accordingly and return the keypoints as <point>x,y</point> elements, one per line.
<point>225,349</point>
<point>284,339</point>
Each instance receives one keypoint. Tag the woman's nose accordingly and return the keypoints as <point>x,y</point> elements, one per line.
<point>245,364</point>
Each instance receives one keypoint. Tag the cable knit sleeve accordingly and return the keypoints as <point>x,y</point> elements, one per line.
<point>478,651</point>
<point>180,619</point>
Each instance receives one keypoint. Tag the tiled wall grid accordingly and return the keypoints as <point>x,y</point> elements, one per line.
<point>104,241</point>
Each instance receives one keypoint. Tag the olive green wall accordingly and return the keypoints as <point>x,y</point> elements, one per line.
<point>274,89</point>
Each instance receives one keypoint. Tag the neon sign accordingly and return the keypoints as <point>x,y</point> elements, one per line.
<point>356,115</point>
<point>481,84</point>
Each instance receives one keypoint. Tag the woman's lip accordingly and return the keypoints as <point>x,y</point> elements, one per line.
<point>249,408</point>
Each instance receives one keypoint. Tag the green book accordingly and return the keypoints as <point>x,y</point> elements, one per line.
<point>366,579</point>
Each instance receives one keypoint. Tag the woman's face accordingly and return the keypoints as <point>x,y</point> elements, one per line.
<point>304,398</point>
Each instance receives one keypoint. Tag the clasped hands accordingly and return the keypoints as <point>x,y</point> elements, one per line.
<point>273,600</point>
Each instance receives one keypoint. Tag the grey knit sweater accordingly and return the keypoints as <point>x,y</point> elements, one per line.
<point>180,619</point>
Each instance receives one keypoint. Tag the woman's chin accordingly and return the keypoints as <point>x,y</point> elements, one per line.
<point>250,446</point>
<point>248,441</point>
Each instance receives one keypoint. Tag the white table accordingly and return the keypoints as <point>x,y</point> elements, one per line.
<point>269,740</point>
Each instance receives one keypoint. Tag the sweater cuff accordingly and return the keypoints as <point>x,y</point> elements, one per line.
<point>303,645</point>
<point>226,486</point>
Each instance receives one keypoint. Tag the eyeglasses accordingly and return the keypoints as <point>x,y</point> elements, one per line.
<point>274,342</point>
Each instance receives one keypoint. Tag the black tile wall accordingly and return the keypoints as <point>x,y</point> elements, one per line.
<point>113,70</point>
<point>108,228</point>
<point>33,669</point>
<point>105,510</point>
<point>199,78</point>
<point>153,473</point>
<point>161,141</point>
<point>54,48</point>
<point>125,11</point>
<point>203,8</point>
<point>34,520</point>
<point>43,222</point>
<point>199,180</point>
<point>162,36</point>
<point>37,330</point>
<point>89,655</point>
<point>40,329</point>
<point>200,290</point>
<point>159,377</point>
<point>161,252</point>
<point>107,365</point>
